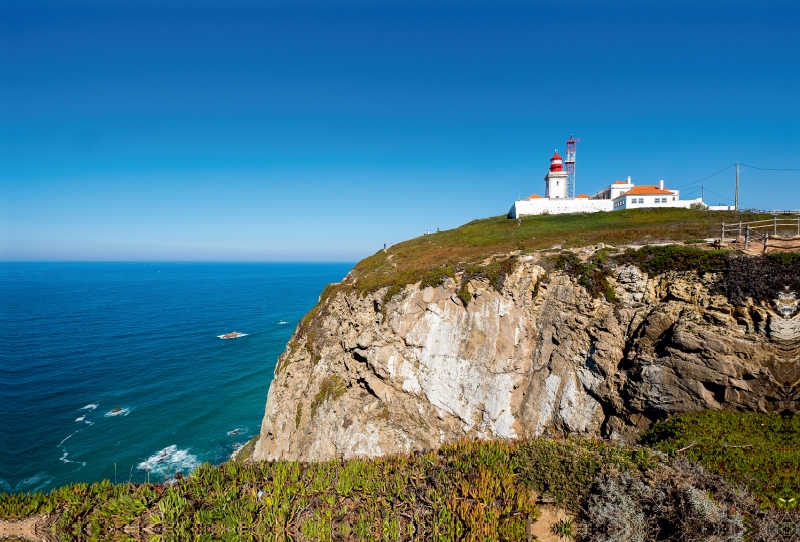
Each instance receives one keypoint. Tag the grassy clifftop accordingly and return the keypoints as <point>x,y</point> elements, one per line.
<point>476,242</point>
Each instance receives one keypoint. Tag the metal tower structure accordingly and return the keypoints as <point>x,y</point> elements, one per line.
<point>570,163</point>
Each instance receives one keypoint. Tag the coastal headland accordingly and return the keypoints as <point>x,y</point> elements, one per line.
<point>614,376</point>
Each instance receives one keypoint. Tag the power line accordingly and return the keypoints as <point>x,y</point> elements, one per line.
<point>704,178</point>
<point>772,168</point>
<point>719,196</point>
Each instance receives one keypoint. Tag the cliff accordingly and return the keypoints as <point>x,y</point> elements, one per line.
<point>369,375</point>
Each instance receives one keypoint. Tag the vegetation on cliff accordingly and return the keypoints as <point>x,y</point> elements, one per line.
<point>488,249</point>
<point>472,490</point>
<point>487,241</point>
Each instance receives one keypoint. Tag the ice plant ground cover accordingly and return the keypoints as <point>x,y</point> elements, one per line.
<point>744,485</point>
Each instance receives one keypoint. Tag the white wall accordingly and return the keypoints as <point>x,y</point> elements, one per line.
<point>625,202</point>
<point>555,185</point>
<point>558,206</point>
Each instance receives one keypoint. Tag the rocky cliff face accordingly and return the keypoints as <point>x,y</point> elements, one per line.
<point>539,356</point>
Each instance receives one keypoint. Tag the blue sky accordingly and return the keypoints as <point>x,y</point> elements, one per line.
<point>321,130</point>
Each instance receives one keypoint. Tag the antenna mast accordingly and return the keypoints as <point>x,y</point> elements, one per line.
<point>570,163</point>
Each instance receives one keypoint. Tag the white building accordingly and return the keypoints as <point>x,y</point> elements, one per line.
<point>615,189</point>
<point>639,197</point>
<point>617,196</point>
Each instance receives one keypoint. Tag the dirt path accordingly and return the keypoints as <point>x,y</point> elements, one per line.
<point>32,529</point>
<point>542,528</point>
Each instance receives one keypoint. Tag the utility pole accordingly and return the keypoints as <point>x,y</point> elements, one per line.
<point>702,193</point>
<point>736,199</point>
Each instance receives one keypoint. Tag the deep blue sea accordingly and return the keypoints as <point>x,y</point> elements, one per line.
<point>115,370</point>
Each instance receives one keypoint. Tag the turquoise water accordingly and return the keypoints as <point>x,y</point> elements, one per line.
<point>115,370</point>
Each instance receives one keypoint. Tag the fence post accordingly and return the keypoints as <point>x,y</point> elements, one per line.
<point>740,230</point>
<point>722,238</point>
<point>774,225</point>
<point>798,225</point>
<point>746,237</point>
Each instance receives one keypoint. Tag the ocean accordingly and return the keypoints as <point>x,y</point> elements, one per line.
<point>115,370</point>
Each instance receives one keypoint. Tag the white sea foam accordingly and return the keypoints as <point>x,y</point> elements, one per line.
<point>68,437</point>
<point>64,459</point>
<point>120,412</point>
<point>282,322</point>
<point>170,460</point>
<point>236,431</point>
<point>37,481</point>
<point>90,406</point>
<point>80,419</point>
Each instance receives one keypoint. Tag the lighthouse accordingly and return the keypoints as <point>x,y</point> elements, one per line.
<point>556,179</point>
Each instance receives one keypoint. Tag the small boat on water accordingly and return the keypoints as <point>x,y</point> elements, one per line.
<point>232,335</point>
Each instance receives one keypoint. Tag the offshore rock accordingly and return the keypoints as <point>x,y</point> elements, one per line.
<point>539,357</point>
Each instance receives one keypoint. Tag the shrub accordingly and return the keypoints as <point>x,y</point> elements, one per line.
<point>565,469</point>
<point>670,503</point>
<point>660,259</point>
<point>762,278</point>
<point>592,275</point>
<point>760,450</point>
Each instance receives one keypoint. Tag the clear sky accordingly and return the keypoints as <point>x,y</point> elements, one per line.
<point>198,130</point>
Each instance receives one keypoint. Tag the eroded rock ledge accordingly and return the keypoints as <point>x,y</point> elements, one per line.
<point>538,357</point>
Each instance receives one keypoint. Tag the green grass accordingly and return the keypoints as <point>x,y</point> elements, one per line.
<point>759,450</point>
<point>476,242</point>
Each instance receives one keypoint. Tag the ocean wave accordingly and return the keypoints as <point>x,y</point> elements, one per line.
<point>33,483</point>
<point>68,437</point>
<point>118,412</point>
<point>81,418</point>
<point>64,459</point>
<point>90,406</point>
<point>170,460</point>
<point>236,431</point>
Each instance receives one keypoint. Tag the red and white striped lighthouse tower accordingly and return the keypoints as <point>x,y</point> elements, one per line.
<point>556,179</point>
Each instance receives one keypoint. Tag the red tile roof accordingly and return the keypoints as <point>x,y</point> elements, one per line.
<point>646,190</point>
<point>582,196</point>
<point>534,196</point>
